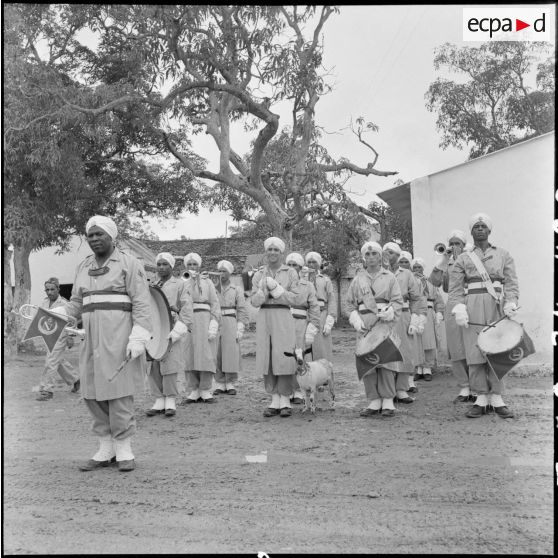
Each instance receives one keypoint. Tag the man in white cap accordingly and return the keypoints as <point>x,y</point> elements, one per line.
<point>405,259</point>
<point>374,295</point>
<point>234,319</point>
<point>439,276</point>
<point>111,294</point>
<point>427,340</point>
<point>274,291</point>
<point>55,363</point>
<point>163,374</point>
<point>322,346</point>
<point>306,313</point>
<point>483,287</point>
<point>201,346</point>
<point>411,322</point>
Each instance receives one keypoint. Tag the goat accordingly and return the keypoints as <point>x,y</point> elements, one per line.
<point>311,375</point>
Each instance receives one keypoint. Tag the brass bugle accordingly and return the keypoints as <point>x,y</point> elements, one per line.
<point>440,248</point>
<point>204,274</point>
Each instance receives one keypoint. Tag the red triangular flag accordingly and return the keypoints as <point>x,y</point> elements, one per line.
<point>519,25</point>
<point>47,325</point>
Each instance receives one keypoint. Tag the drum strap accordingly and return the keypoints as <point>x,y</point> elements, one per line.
<point>484,275</point>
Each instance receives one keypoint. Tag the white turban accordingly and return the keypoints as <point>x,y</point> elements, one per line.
<point>192,256</point>
<point>480,218</point>
<point>314,256</point>
<point>296,258</point>
<point>456,233</point>
<point>105,223</point>
<point>370,245</point>
<point>419,261</point>
<point>167,257</point>
<point>406,255</point>
<point>226,265</point>
<point>274,241</point>
<point>392,246</point>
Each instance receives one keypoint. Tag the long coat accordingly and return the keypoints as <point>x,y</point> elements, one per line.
<point>482,308</point>
<point>416,302</point>
<point>305,302</point>
<point>233,310</point>
<point>366,291</point>
<point>180,302</point>
<point>275,328</point>
<point>435,303</point>
<point>200,352</point>
<point>321,348</point>
<point>454,333</point>
<point>110,304</point>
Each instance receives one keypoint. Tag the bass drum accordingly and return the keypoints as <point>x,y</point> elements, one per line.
<point>379,346</point>
<point>158,346</point>
<point>504,345</point>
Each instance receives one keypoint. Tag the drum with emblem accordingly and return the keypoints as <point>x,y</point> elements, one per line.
<point>379,346</point>
<point>504,344</point>
<point>159,344</point>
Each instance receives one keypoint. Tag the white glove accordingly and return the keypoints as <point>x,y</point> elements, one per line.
<point>137,340</point>
<point>439,318</point>
<point>414,325</point>
<point>386,314</point>
<point>510,309</point>
<point>271,283</point>
<point>461,316</point>
<point>239,330</point>
<point>277,291</point>
<point>356,321</point>
<point>442,262</point>
<point>212,329</point>
<point>421,323</point>
<point>310,334</point>
<point>179,330</point>
<point>328,325</point>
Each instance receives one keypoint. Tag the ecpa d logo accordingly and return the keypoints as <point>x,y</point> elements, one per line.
<point>508,24</point>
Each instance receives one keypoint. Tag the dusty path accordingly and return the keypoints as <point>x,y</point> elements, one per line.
<point>426,481</point>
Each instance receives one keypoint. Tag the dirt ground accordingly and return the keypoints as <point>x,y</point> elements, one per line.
<point>428,480</point>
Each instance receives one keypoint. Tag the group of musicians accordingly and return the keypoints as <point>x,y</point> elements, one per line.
<point>296,308</point>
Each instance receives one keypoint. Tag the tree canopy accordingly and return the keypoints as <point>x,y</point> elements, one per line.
<point>171,72</point>
<point>492,106</point>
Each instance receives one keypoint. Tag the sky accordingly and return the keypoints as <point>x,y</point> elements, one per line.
<point>381,60</point>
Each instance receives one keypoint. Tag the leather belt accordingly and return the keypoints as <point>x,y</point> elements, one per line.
<point>201,307</point>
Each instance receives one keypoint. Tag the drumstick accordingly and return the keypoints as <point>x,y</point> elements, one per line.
<point>120,368</point>
<point>493,324</point>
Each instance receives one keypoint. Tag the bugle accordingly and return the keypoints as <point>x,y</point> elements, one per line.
<point>440,248</point>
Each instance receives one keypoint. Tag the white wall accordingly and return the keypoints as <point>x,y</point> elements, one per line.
<point>515,187</point>
<point>46,263</point>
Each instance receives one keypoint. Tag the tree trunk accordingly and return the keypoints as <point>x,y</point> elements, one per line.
<point>339,279</point>
<point>22,293</point>
<point>10,342</point>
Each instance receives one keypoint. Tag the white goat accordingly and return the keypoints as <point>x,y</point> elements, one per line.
<point>311,375</point>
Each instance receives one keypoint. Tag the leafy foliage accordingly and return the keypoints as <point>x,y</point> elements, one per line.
<point>163,74</point>
<point>62,166</point>
<point>493,107</point>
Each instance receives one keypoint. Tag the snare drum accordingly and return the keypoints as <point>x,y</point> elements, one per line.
<point>504,345</point>
<point>158,346</point>
<point>379,346</point>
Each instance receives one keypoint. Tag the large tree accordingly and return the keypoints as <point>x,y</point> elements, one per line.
<point>214,69</point>
<point>61,166</point>
<point>491,105</point>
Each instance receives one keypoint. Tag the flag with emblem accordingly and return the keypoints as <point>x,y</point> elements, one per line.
<point>386,351</point>
<point>48,325</point>
<point>502,363</point>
